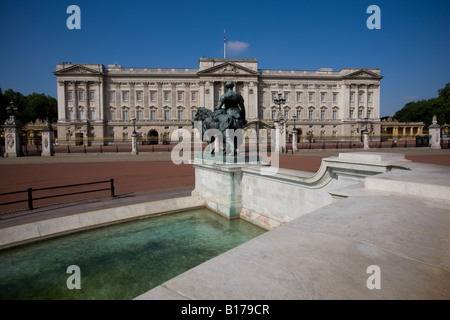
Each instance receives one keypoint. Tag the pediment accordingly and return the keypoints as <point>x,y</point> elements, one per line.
<point>77,69</point>
<point>363,74</point>
<point>228,68</point>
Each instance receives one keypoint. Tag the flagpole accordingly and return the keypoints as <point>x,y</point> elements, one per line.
<point>224,45</point>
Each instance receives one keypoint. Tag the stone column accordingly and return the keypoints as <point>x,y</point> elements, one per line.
<point>435,134</point>
<point>12,140</point>
<point>13,131</point>
<point>280,131</point>
<point>146,101</point>
<point>159,101</point>
<point>47,141</point>
<point>366,139</point>
<point>345,113</point>
<point>101,103</point>
<point>134,143</point>
<point>118,100</point>
<point>132,100</point>
<point>294,140</point>
<point>62,101</point>
<point>202,94</point>
<point>210,94</point>
<point>75,101</point>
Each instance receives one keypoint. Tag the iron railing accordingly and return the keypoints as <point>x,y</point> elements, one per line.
<point>30,198</point>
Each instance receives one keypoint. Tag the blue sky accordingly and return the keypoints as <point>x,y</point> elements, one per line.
<point>412,48</point>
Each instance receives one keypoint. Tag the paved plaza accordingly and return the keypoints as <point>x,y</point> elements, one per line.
<point>386,222</point>
<point>138,178</point>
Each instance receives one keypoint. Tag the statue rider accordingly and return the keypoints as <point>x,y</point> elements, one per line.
<point>234,106</point>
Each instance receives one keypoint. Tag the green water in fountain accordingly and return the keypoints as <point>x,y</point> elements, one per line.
<point>120,261</point>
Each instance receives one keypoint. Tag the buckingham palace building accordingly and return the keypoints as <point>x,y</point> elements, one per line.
<point>100,105</point>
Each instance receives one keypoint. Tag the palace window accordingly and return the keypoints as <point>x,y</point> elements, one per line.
<point>81,114</point>
<point>153,96</point>
<point>91,95</point>
<point>139,115</point>
<point>360,97</point>
<point>310,114</point>
<point>299,96</point>
<point>69,95</point>
<point>92,114</point>
<point>273,114</point>
<point>166,96</point>
<point>80,96</point>
<point>335,97</point>
<point>180,114</point>
<point>311,97</point>
<point>323,96</point>
<point>286,114</point>
<point>194,96</point>
<point>369,97</point>
<point>125,115</point>
<point>124,96</point>
<point>286,96</point>
<point>334,114</point>
<point>369,114</point>
<point>180,96</point>
<point>111,95</point>
<point>152,115</point>
<point>139,96</point>
<point>351,114</point>
<point>299,114</point>
<point>111,114</point>
<point>360,114</point>
<point>352,96</point>
<point>322,114</point>
<point>166,115</point>
<point>70,114</point>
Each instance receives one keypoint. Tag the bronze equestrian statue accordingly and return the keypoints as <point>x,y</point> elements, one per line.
<point>228,114</point>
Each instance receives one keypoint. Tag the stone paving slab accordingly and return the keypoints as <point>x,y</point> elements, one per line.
<point>325,255</point>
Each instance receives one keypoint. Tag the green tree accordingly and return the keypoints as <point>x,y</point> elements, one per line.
<point>29,108</point>
<point>423,110</point>
<point>41,106</point>
<point>19,101</point>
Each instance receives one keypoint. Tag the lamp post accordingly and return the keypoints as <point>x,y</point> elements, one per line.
<point>134,149</point>
<point>310,137</point>
<point>280,125</point>
<point>279,101</point>
<point>294,136</point>
<point>134,126</point>
<point>365,133</point>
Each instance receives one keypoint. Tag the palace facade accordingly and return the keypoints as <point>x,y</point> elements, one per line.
<point>97,104</point>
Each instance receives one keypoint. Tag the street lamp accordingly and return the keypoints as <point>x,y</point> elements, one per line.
<point>280,101</point>
<point>294,117</point>
<point>134,126</point>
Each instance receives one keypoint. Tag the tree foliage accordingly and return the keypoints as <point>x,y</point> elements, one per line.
<point>423,110</point>
<point>29,108</point>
